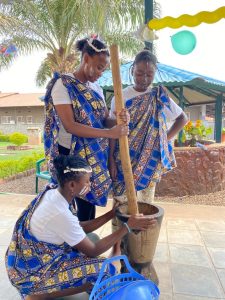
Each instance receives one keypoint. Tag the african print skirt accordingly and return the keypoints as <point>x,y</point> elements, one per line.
<point>36,267</point>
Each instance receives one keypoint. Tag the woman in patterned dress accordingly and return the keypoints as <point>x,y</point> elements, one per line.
<point>50,255</point>
<point>151,151</point>
<point>77,122</point>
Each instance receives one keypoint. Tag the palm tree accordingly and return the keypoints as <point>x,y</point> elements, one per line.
<point>5,22</point>
<point>55,25</point>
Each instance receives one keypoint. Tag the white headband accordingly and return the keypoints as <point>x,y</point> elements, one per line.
<point>94,48</point>
<point>68,170</point>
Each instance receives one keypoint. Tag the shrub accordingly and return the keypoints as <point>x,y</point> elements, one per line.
<point>13,166</point>
<point>18,138</point>
<point>4,137</point>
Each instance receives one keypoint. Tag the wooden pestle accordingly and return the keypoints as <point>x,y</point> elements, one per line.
<point>123,141</point>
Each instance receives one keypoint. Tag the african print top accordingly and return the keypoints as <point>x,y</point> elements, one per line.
<point>89,109</point>
<point>150,152</point>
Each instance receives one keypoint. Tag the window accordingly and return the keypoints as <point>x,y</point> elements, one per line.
<point>7,120</point>
<point>29,119</point>
<point>20,120</point>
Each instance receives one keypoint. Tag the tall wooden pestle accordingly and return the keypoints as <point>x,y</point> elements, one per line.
<point>123,141</point>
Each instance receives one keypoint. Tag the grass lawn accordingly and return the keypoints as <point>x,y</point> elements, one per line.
<point>16,161</point>
<point>18,154</point>
<point>4,144</point>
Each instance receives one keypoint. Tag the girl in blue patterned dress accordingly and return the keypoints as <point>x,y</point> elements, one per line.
<point>77,122</point>
<point>50,255</point>
<point>151,151</point>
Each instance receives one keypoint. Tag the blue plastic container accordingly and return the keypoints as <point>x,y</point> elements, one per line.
<point>140,289</point>
<point>120,285</point>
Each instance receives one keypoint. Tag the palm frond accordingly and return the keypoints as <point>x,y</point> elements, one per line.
<point>123,39</point>
<point>55,25</point>
<point>44,73</point>
<point>6,61</point>
<point>157,9</point>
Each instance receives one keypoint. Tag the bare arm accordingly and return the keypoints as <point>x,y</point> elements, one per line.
<point>65,113</point>
<point>109,122</point>
<point>177,126</point>
<point>94,249</point>
<point>91,249</point>
<point>112,146</point>
<point>92,225</point>
<point>123,115</point>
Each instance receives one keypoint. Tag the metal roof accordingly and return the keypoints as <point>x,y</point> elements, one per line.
<point>20,100</point>
<point>197,89</point>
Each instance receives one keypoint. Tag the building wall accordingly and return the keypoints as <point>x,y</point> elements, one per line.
<point>21,118</point>
<point>197,112</point>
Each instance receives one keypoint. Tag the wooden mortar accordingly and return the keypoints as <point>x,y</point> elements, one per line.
<point>140,246</point>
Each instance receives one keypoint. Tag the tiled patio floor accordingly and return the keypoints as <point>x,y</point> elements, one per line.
<point>190,255</point>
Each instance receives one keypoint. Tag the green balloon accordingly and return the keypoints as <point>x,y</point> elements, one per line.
<point>183,42</point>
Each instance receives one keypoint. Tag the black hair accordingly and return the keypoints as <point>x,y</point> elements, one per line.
<point>146,56</point>
<point>84,47</point>
<point>63,164</point>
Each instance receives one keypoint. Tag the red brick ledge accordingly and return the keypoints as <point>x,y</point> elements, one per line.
<point>209,147</point>
<point>17,176</point>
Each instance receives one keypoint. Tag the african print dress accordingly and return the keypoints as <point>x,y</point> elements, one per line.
<point>150,152</point>
<point>89,109</point>
<point>36,267</point>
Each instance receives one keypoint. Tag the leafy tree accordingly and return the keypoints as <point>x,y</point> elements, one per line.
<point>55,25</point>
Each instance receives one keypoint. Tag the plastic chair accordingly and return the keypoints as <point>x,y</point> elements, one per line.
<point>41,174</point>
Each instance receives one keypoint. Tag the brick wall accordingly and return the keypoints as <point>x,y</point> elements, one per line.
<point>198,172</point>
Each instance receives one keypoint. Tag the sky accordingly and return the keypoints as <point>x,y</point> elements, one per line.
<point>206,59</point>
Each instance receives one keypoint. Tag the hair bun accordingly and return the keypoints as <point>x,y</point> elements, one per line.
<point>91,46</point>
<point>81,44</point>
<point>64,163</point>
<point>60,162</point>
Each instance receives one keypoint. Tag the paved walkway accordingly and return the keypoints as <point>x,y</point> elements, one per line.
<point>190,255</point>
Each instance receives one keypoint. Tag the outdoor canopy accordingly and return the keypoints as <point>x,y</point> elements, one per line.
<point>186,88</point>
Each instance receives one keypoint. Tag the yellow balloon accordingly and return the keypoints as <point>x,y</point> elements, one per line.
<point>188,20</point>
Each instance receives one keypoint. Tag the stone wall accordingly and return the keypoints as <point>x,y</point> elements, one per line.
<point>198,172</point>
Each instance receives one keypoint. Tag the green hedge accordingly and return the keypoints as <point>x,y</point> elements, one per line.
<point>17,138</point>
<point>4,137</point>
<point>13,166</point>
